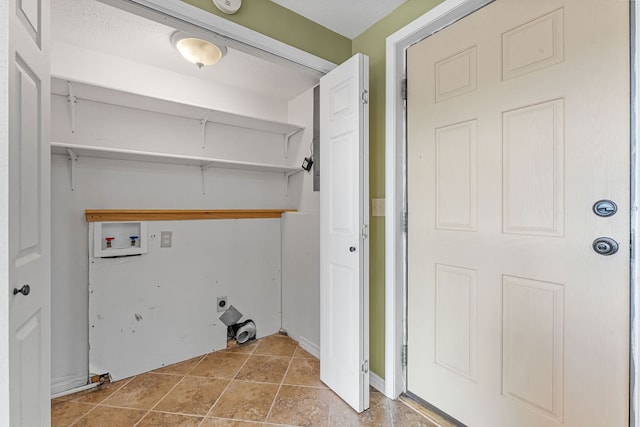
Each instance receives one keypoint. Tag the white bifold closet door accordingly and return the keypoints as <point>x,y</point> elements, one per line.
<point>344,243</point>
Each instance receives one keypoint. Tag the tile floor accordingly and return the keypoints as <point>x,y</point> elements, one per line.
<point>269,382</point>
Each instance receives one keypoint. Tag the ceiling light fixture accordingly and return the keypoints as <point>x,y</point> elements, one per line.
<point>197,51</point>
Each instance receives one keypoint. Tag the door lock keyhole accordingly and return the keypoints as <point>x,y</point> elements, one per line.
<point>605,246</point>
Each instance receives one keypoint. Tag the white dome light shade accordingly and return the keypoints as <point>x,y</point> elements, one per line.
<point>197,51</point>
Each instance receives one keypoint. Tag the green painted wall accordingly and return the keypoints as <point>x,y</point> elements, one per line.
<point>286,26</point>
<point>281,24</point>
<point>373,44</point>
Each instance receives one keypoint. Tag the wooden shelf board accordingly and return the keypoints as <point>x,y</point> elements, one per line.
<point>114,215</point>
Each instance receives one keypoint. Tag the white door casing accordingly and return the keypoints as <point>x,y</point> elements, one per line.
<point>25,214</point>
<point>518,122</point>
<point>344,243</point>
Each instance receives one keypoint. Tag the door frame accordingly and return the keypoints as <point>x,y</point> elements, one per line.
<point>444,14</point>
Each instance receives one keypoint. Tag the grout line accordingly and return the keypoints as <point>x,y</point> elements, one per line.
<point>84,415</point>
<point>280,386</point>
<point>125,382</point>
<point>160,400</point>
<point>95,390</point>
<point>96,405</point>
<point>225,389</point>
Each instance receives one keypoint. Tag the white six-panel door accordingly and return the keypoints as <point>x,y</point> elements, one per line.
<point>344,244</point>
<point>518,122</point>
<point>25,214</point>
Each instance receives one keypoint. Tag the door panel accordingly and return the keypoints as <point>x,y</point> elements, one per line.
<point>518,122</point>
<point>344,245</point>
<point>28,218</point>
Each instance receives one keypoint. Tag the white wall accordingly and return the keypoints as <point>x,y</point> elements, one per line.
<point>111,184</point>
<point>105,125</point>
<point>301,241</point>
<point>159,308</point>
<point>301,278</point>
<point>301,193</point>
<point>120,185</point>
<point>70,62</point>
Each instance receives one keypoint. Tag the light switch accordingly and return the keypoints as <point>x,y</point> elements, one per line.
<point>377,207</point>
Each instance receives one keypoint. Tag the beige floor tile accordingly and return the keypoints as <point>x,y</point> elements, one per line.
<point>302,399</point>
<point>266,369</point>
<point>245,401</point>
<point>225,422</point>
<point>276,345</point>
<point>143,392</point>
<point>65,412</point>
<point>300,352</point>
<point>378,414</point>
<point>193,395</point>
<point>161,419</point>
<point>100,393</point>
<point>221,364</point>
<point>247,348</point>
<point>181,368</point>
<point>104,416</point>
<point>304,372</point>
<point>302,406</point>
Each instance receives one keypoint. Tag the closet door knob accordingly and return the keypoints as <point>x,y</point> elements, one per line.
<point>23,290</point>
<point>352,249</point>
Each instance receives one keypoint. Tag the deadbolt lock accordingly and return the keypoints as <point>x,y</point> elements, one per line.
<point>605,208</point>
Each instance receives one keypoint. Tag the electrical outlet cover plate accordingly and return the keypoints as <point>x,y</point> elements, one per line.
<point>166,239</point>
<point>228,6</point>
<point>222,304</point>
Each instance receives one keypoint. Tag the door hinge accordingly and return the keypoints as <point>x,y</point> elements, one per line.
<point>632,238</point>
<point>405,222</point>
<point>365,96</point>
<point>403,355</point>
<point>365,366</point>
<point>403,89</point>
<point>365,231</point>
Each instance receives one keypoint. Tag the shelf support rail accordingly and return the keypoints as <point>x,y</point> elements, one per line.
<point>73,158</point>
<point>287,176</point>
<point>203,176</point>
<point>203,123</point>
<point>287,137</point>
<point>72,102</point>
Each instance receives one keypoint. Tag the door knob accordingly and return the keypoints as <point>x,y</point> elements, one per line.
<point>23,290</point>
<point>605,246</point>
<point>352,249</point>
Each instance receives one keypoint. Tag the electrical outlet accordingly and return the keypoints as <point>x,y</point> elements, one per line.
<point>166,239</point>
<point>222,303</point>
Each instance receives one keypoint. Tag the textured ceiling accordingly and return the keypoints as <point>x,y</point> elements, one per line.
<point>347,17</point>
<point>93,25</point>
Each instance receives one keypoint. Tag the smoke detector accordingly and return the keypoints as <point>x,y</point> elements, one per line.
<point>228,6</point>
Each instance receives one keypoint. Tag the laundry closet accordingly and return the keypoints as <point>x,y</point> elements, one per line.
<point>174,197</point>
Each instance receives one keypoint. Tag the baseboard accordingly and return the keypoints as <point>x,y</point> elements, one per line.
<point>69,382</point>
<point>376,382</point>
<point>309,347</point>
